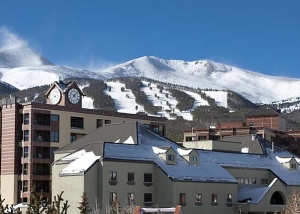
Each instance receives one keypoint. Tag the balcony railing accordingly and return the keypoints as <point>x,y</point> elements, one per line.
<point>41,172</point>
<point>43,122</point>
<point>41,155</point>
<point>41,139</point>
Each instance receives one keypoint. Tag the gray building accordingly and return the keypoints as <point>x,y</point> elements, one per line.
<point>129,164</point>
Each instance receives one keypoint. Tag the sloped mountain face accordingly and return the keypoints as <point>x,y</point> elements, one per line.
<point>256,87</point>
<point>23,68</point>
<point>6,88</point>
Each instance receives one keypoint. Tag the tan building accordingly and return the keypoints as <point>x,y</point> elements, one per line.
<point>31,132</point>
<point>129,164</point>
<point>264,121</point>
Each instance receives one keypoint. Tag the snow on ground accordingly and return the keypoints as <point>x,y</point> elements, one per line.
<point>124,100</point>
<point>198,99</point>
<point>167,102</point>
<point>87,102</point>
<point>219,96</point>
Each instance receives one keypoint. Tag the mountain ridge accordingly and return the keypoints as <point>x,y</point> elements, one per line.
<point>19,63</point>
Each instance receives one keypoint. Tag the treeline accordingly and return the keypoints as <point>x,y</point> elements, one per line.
<point>135,84</point>
<point>95,90</point>
<point>185,101</point>
<point>35,94</point>
<point>236,102</point>
<point>6,89</point>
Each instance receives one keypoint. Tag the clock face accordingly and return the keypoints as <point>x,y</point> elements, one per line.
<point>55,96</point>
<point>73,95</point>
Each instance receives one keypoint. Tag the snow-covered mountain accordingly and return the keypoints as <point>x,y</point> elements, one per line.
<point>22,68</point>
<point>256,87</point>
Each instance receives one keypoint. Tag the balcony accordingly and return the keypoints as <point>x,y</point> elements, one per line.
<point>41,155</point>
<point>41,172</point>
<point>41,139</point>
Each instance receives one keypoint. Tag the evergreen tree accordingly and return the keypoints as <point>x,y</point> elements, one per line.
<point>84,204</point>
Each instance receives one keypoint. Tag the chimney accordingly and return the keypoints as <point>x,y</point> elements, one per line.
<point>273,147</point>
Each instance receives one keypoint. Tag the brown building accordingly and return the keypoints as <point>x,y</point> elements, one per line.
<point>31,132</point>
<point>265,121</point>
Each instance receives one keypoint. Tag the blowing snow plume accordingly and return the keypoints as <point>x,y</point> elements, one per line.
<point>15,52</point>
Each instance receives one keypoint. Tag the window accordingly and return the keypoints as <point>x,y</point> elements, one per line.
<point>112,197</point>
<point>147,197</point>
<point>25,152</point>
<point>242,180</point>
<point>26,135</point>
<point>229,198</point>
<point>182,199</point>
<point>25,168</point>
<point>25,186</point>
<point>113,178</point>
<point>246,181</point>
<point>130,178</point>
<point>214,198</point>
<point>107,121</point>
<point>148,179</point>
<point>26,119</point>
<point>198,198</point>
<point>52,150</point>
<point>293,166</point>
<point>171,157</point>
<point>54,118</point>
<point>194,159</point>
<point>72,137</point>
<point>99,123</point>
<point>264,181</point>
<point>77,122</point>
<point>54,137</point>
<point>252,180</point>
<point>130,198</point>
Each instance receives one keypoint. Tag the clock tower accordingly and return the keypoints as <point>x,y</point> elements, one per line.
<point>64,94</point>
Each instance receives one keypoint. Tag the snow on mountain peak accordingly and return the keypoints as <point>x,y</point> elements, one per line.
<point>15,52</point>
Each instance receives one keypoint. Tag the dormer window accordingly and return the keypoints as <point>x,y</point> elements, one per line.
<point>171,157</point>
<point>190,155</point>
<point>166,153</point>
<point>194,159</point>
<point>289,162</point>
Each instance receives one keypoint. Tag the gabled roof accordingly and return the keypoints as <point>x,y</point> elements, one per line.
<point>264,110</point>
<point>254,195</point>
<point>213,164</point>
<point>64,87</point>
<point>246,141</point>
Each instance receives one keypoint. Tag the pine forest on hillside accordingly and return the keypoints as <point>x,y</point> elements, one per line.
<point>204,116</point>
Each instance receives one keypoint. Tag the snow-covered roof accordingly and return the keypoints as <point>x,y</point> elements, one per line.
<point>81,162</point>
<point>212,163</point>
<point>284,159</point>
<point>158,150</point>
<point>255,195</point>
<point>184,152</point>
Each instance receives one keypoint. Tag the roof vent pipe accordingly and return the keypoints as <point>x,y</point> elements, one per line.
<point>253,137</point>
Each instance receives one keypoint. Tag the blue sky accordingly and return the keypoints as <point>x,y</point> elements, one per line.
<point>262,36</point>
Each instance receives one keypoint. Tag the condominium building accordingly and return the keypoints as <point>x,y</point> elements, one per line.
<point>31,132</point>
<point>264,121</point>
<point>128,164</point>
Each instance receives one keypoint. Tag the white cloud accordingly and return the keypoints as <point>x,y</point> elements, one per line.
<point>17,49</point>
<point>9,40</point>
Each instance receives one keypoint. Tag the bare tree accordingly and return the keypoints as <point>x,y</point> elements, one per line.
<point>293,204</point>
<point>97,207</point>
